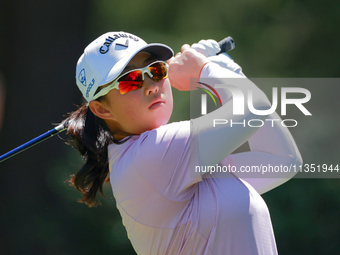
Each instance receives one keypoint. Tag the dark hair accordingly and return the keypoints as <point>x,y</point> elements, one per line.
<point>91,137</point>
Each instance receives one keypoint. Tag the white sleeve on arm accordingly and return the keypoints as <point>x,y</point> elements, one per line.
<point>271,146</point>
<point>215,143</point>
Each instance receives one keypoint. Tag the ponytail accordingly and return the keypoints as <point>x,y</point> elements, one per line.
<point>91,137</point>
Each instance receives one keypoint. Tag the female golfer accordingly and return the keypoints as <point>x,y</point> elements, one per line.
<point>167,206</point>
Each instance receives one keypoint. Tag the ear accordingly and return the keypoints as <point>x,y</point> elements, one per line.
<point>100,110</point>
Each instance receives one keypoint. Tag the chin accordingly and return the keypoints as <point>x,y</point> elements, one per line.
<point>159,123</point>
<point>156,120</point>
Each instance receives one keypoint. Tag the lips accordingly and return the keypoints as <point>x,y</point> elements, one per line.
<point>156,103</point>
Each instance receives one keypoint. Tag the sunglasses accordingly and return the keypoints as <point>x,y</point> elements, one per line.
<point>133,80</point>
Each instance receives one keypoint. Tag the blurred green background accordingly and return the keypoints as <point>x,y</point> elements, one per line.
<point>40,43</point>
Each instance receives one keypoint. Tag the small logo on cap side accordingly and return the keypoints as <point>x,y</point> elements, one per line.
<point>82,77</point>
<point>90,87</point>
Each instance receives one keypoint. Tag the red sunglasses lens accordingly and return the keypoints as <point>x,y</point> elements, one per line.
<point>131,81</point>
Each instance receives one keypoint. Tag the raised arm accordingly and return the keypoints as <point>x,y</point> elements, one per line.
<point>271,146</point>
<point>215,143</point>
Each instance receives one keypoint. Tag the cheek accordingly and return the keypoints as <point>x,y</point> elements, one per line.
<point>121,106</point>
<point>169,98</point>
<point>129,109</point>
<point>163,116</point>
<point>167,86</point>
<point>131,112</point>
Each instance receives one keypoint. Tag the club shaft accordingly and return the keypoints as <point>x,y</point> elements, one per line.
<point>32,142</point>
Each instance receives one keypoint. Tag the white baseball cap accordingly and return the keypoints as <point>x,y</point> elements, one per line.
<point>107,56</point>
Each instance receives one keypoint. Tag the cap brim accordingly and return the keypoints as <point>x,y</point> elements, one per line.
<point>158,50</point>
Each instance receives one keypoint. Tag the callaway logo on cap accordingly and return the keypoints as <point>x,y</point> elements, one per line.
<point>106,57</point>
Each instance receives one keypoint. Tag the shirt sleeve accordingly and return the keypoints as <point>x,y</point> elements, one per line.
<point>218,141</point>
<point>271,159</point>
<point>163,157</point>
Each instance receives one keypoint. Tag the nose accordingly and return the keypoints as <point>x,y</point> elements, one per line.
<point>150,86</point>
